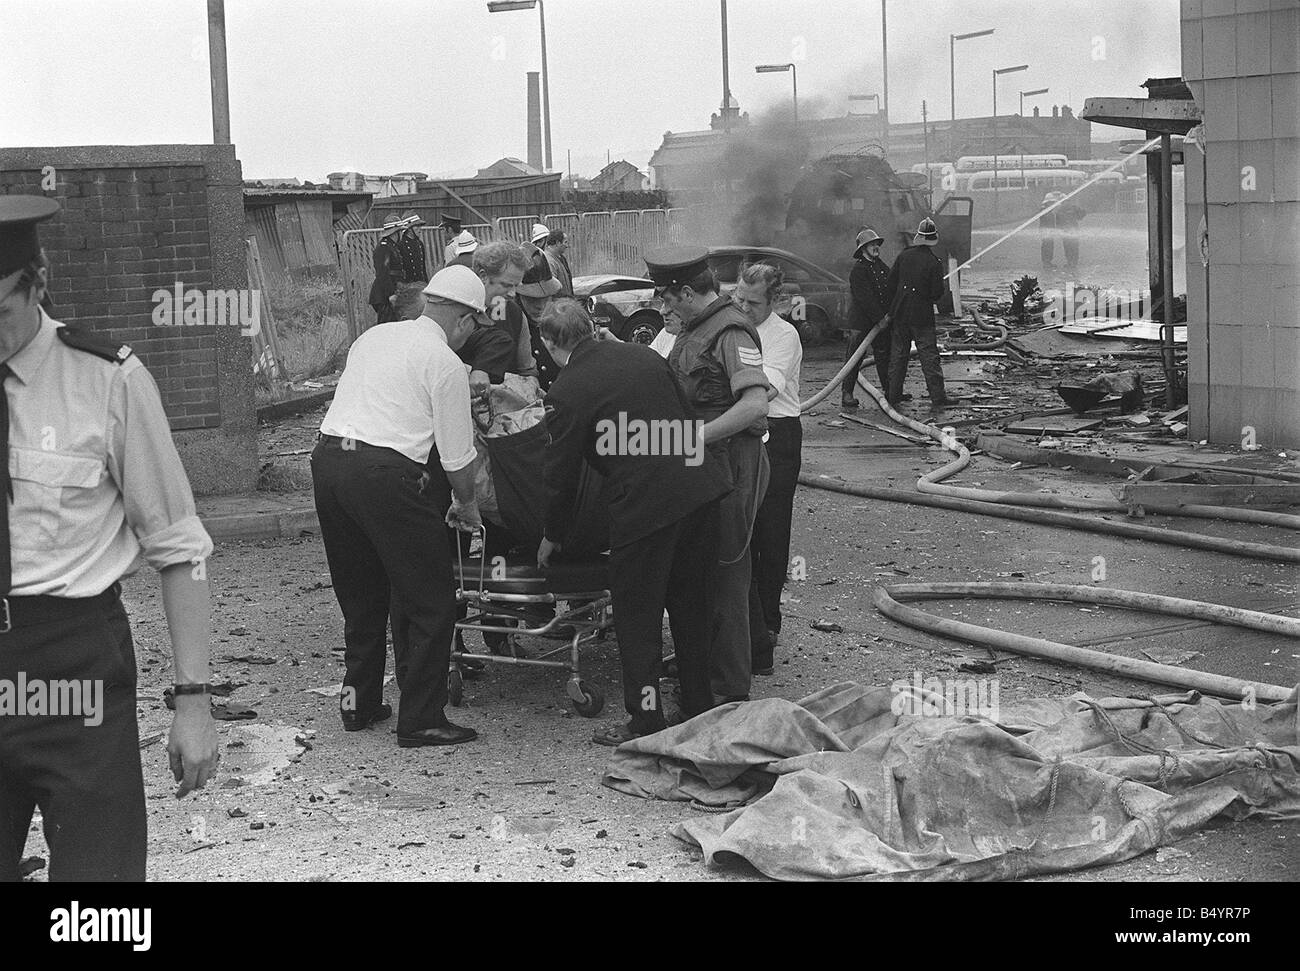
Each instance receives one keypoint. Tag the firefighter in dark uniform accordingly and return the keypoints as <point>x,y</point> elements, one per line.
<point>532,297</point>
<point>388,273</point>
<point>663,508</point>
<point>867,282</point>
<point>410,249</point>
<point>915,285</point>
<point>92,487</point>
<point>718,359</point>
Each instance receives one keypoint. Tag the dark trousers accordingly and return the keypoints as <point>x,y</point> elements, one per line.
<point>1069,243</point>
<point>770,546</point>
<point>904,333</point>
<point>730,651</point>
<point>672,568</point>
<point>85,778</point>
<point>390,561</point>
<point>880,350</point>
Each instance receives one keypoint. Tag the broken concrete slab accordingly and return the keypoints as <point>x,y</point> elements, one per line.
<point>1054,425</point>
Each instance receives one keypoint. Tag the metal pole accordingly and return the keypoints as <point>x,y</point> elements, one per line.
<point>884,64</point>
<point>925,134</point>
<point>1174,396</point>
<point>546,87</point>
<point>952,95</point>
<point>995,141</point>
<point>217,69</point>
<point>726,74</point>
<point>794,75</point>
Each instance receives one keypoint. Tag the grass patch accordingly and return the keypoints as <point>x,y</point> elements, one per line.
<point>312,324</point>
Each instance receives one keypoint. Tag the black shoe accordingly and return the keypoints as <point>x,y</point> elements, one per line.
<point>766,672</point>
<point>355,721</point>
<point>849,404</point>
<point>447,734</point>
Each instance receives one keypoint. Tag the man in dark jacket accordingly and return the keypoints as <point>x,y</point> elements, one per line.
<point>1063,221</point>
<point>388,272</point>
<point>915,285</point>
<point>867,282</point>
<point>619,407</point>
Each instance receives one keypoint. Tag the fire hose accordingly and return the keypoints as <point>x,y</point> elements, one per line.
<point>1008,506</point>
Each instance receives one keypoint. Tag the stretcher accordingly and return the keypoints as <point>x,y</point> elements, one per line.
<point>511,596</point>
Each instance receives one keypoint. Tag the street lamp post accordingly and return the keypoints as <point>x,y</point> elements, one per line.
<point>884,71</point>
<point>952,84</point>
<point>794,75</point>
<point>996,73</point>
<point>505,6</point>
<point>1023,95</point>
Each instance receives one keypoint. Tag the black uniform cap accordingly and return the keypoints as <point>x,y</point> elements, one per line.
<point>451,222</point>
<point>18,218</point>
<point>674,266</point>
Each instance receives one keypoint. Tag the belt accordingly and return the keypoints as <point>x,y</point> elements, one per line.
<point>18,612</point>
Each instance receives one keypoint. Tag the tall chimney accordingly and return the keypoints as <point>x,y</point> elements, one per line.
<point>534,120</point>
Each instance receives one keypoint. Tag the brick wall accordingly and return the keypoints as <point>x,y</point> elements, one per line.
<point>1240,61</point>
<point>135,220</point>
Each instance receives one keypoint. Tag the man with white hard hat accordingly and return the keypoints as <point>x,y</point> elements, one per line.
<point>396,448</point>
<point>464,246</point>
<point>539,235</point>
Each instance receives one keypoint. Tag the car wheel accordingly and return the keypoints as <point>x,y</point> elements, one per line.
<point>814,328</point>
<point>643,327</point>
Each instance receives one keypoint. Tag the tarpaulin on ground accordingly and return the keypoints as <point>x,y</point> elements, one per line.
<point>840,786</point>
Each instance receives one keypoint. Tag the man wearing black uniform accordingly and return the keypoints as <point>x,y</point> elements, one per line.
<point>915,285</point>
<point>410,249</point>
<point>388,273</point>
<point>718,361</point>
<point>80,417</point>
<point>533,296</point>
<point>663,507</point>
<point>867,283</point>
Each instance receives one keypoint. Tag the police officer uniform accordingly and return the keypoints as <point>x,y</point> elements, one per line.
<point>717,356</point>
<point>915,285</point>
<point>410,250</point>
<point>663,515</point>
<point>92,487</point>
<point>867,288</point>
<point>388,273</point>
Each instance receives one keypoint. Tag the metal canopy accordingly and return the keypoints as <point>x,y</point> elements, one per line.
<point>1156,115</point>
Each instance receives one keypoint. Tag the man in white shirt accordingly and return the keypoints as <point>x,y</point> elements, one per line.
<point>759,287</point>
<point>396,448</point>
<point>664,340</point>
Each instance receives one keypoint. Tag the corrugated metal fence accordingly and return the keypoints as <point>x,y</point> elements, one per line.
<point>599,242</point>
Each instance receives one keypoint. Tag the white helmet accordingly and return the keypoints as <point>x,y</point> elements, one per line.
<point>458,284</point>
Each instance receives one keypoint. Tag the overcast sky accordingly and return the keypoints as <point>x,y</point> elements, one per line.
<point>438,86</point>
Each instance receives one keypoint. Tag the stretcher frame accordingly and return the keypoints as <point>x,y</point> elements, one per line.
<point>588,613</point>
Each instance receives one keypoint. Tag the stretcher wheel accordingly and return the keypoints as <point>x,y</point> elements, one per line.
<point>455,687</point>
<point>592,701</point>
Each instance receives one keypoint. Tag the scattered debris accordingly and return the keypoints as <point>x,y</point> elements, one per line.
<point>827,627</point>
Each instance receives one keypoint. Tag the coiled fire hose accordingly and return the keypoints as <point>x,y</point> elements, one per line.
<point>1005,506</point>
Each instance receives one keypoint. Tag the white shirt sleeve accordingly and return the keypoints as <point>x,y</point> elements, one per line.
<point>779,352</point>
<point>453,428</point>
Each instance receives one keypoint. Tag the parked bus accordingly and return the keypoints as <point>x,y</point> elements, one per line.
<point>1014,178</point>
<point>979,163</point>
